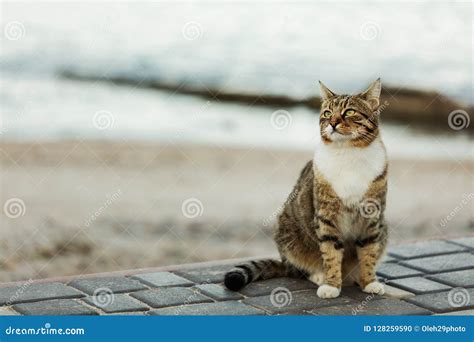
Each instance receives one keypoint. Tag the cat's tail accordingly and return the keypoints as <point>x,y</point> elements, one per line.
<point>244,274</point>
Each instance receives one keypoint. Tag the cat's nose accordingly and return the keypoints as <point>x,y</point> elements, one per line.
<point>333,125</point>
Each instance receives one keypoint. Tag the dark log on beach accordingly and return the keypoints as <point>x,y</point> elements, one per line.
<point>423,109</point>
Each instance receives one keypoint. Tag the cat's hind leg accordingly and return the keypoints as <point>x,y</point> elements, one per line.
<point>317,277</point>
<point>324,290</point>
<point>310,262</point>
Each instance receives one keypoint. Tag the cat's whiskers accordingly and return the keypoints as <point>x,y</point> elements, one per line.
<point>366,136</point>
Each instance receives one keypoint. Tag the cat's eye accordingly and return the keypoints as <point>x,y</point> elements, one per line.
<point>326,114</point>
<point>349,112</point>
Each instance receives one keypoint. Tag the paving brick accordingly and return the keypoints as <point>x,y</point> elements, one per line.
<point>424,248</point>
<point>218,292</point>
<point>458,313</point>
<point>383,307</point>
<point>29,292</point>
<point>116,303</point>
<point>54,307</point>
<point>388,258</point>
<point>229,308</point>
<point>129,313</point>
<point>419,285</point>
<point>300,300</point>
<point>466,241</point>
<point>357,294</point>
<point>456,279</point>
<point>107,284</point>
<point>392,271</point>
<point>8,312</point>
<point>442,263</point>
<point>211,274</point>
<point>159,279</point>
<point>264,287</point>
<point>295,313</point>
<point>170,296</point>
<point>393,292</point>
<point>454,300</point>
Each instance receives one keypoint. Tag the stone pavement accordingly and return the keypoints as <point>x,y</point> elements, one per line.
<point>424,278</point>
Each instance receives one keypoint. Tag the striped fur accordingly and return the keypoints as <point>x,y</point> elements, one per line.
<point>244,274</point>
<point>327,230</point>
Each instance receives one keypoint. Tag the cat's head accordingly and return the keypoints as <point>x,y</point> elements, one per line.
<point>353,119</point>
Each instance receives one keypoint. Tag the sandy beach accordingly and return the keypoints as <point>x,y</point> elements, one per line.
<point>105,206</point>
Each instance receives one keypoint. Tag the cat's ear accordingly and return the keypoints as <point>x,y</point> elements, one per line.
<point>372,94</point>
<point>325,92</point>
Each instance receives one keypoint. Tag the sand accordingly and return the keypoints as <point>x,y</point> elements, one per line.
<point>105,206</point>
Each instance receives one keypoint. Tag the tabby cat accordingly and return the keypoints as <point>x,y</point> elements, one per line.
<point>332,228</point>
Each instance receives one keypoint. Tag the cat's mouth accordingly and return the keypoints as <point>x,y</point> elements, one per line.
<point>336,135</point>
<point>334,132</point>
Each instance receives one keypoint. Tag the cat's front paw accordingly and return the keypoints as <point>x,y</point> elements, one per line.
<point>328,291</point>
<point>375,287</point>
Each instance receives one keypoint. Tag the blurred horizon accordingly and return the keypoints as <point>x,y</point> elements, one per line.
<point>283,50</point>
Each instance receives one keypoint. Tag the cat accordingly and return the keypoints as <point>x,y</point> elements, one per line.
<point>332,228</point>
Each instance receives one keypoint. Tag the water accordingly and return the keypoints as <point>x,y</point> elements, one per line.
<point>270,48</point>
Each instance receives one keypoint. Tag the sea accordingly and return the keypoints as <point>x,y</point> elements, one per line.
<point>261,47</point>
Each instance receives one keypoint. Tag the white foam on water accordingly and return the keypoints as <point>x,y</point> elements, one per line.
<point>66,110</point>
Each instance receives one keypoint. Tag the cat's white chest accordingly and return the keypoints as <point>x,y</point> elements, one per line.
<point>350,170</point>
